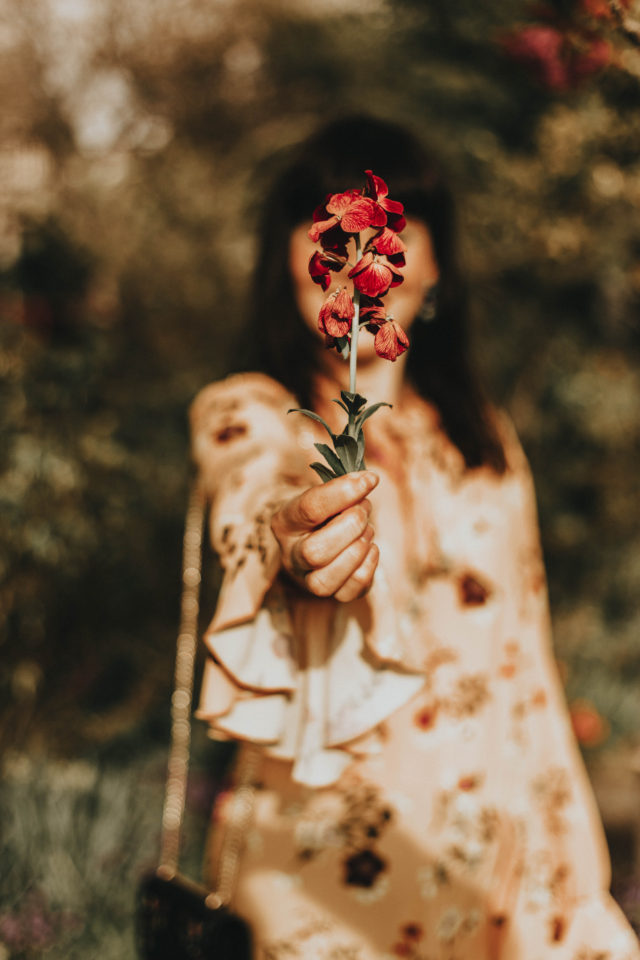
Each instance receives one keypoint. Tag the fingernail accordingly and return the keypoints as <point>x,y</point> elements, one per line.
<point>371,479</point>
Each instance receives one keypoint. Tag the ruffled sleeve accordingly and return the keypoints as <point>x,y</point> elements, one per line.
<point>300,675</point>
<point>561,906</point>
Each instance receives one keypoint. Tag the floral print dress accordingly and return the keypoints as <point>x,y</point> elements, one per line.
<point>420,793</point>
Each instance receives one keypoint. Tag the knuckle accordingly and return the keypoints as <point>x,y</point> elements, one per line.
<point>307,553</point>
<point>318,585</point>
<point>308,507</point>
<point>362,514</point>
<point>361,579</point>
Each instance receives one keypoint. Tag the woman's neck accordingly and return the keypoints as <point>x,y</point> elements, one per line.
<point>377,379</point>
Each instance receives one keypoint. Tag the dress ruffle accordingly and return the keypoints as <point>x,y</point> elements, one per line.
<point>305,680</point>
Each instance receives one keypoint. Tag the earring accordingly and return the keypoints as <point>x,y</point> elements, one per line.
<point>429,306</point>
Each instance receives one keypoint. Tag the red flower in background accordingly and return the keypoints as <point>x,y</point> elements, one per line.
<point>562,51</point>
<point>589,726</point>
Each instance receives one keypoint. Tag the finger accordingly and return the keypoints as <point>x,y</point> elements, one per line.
<point>323,545</point>
<point>325,581</point>
<point>361,579</point>
<point>318,504</point>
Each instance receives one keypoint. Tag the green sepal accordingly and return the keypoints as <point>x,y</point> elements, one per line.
<point>352,401</point>
<point>331,457</point>
<point>323,472</point>
<point>360,441</point>
<point>367,413</point>
<point>347,450</point>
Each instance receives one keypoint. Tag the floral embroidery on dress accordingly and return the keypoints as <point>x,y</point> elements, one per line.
<point>469,829</point>
<point>355,828</point>
<point>229,431</point>
<point>314,939</point>
<point>472,591</point>
<point>451,925</point>
<point>552,791</point>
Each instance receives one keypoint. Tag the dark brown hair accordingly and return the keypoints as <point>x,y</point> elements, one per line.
<point>438,364</point>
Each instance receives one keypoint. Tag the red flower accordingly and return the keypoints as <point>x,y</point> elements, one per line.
<point>594,55</point>
<point>589,726</point>
<point>350,210</point>
<point>601,9</point>
<point>372,277</point>
<point>336,314</point>
<point>378,190</point>
<point>321,265</point>
<point>560,55</point>
<point>319,270</point>
<point>388,243</point>
<point>390,340</point>
<point>372,315</point>
<point>540,47</point>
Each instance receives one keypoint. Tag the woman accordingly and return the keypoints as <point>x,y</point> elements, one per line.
<point>385,636</point>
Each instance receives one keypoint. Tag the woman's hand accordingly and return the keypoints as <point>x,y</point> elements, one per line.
<point>325,537</point>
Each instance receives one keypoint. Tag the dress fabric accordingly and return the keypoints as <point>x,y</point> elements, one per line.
<point>420,793</point>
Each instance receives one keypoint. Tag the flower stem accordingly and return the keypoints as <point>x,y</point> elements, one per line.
<point>355,325</point>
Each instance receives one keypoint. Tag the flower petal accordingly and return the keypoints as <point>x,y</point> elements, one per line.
<point>362,213</point>
<point>390,341</point>
<point>370,276</point>
<point>376,187</point>
<point>396,222</point>
<point>388,242</point>
<point>374,315</point>
<point>335,327</point>
<point>320,227</point>
<point>391,206</point>
<point>343,307</point>
<point>339,203</point>
<point>319,271</point>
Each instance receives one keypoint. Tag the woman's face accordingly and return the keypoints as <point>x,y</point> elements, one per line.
<point>404,301</point>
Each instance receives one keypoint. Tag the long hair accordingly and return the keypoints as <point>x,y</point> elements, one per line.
<point>438,363</point>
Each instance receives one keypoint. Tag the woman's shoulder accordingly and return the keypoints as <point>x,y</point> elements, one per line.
<point>238,418</point>
<point>234,392</point>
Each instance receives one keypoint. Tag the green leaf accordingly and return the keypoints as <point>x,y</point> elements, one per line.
<point>367,413</point>
<point>331,457</point>
<point>360,442</point>
<point>352,401</point>
<point>347,450</point>
<point>343,347</point>
<point>341,404</point>
<point>314,416</point>
<point>323,472</point>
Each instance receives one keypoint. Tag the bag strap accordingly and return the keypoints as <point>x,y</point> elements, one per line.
<point>178,764</point>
